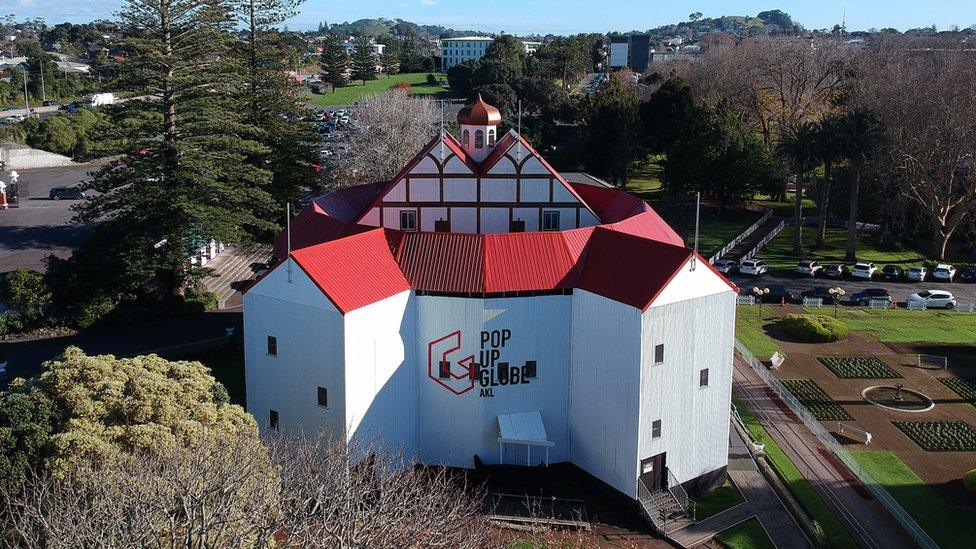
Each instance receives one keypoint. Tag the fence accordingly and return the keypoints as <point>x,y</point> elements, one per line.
<point>765,240</point>
<point>882,495</point>
<point>813,302</point>
<point>742,236</point>
<point>933,360</point>
<point>965,307</point>
<point>745,300</point>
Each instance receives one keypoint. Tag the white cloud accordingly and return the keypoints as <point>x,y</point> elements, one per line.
<point>428,2</point>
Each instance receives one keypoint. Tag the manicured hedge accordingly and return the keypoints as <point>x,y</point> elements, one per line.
<point>969,481</point>
<point>814,328</point>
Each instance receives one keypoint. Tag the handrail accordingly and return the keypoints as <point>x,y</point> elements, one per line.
<point>742,236</point>
<point>680,495</point>
<point>765,240</point>
<point>880,493</point>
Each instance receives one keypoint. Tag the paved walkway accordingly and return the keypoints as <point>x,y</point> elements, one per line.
<point>749,242</point>
<point>761,502</point>
<point>866,519</point>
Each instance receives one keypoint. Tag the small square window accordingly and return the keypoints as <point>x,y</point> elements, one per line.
<point>323,397</point>
<point>272,346</point>
<point>550,221</point>
<point>273,420</point>
<point>656,429</point>
<point>408,221</point>
<point>703,378</point>
<point>659,353</point>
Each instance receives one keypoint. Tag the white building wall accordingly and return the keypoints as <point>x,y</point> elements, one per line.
<point>498,190</point>
<point>464,220</point>
<point>309,330</point>
<point>534,190</point>
<point>425,190</point>
<point>460,190</point>
<point>429,215</point>
<point>603,389</point>
<point>529,215</point>
<point>697,333</point>
<point>494,220</point>
<point>380,384</point>
<point>455,427</point>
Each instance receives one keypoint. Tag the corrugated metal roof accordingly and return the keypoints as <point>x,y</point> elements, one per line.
<point>354,271</point>
<point>443,262</point>
<point>649,225</point>
<point>629,269</point>
<point>520,262</point>
<point>346,204</point>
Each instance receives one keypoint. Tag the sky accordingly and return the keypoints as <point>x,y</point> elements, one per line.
<point>566,16</point>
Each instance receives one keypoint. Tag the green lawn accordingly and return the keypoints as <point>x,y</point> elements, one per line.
<point>801,488</point>
<point>904,326</point>
<point>715,232</point>
<point>724,497</point>
<point>751,331</point>
<point>779,253</point>
<point>347,95</point>
<point>786,209</point>
<point>646,182</point>
<point>746,535</point>
<point>949,525</point>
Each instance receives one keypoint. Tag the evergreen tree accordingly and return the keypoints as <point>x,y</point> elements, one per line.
<point>271,105</point>
<point>333,61</point>
<point>194,184</point>
<point>363,60</point>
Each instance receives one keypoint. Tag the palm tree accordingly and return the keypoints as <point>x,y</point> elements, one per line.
<point>828,151</point>
<point>797,147</point>
<point>860,134</point>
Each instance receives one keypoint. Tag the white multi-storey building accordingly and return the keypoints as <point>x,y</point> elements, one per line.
<point>482,306</point>
<point>455,51</point>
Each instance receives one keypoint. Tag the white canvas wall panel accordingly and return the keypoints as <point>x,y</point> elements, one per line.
<point>425,189</point>
<point>533,166</point>
<point>567,218</point>
<point>604,382</point>
<point>380,385</point>
<point>498,190</point>
<point>458,417</point>
<point>534,190</point>
<point>503,166</point>
<point>587,219</point>
<point>459,189</point>
<point>456,166</point>
<point>464,220</point>
<point>429,215</point>
<point>372,218</point>
<point>391,217</point>
<point>494,220</point>
<point>529,215</point>
<point>561,194</point>
<point>425,166</point>
<point>398,193</point>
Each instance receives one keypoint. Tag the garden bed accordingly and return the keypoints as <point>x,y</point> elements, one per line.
<point>966,388</point>
<point>816,400</point>
<point>939,436</point>
<point>859,367</point>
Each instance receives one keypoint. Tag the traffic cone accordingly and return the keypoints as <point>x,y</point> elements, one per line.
<point>3,201</point>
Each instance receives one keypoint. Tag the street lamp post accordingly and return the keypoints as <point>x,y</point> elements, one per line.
<point>837,292</point>
<point>759,293</point>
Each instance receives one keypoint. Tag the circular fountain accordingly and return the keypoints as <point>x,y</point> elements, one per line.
<point>898,398</point>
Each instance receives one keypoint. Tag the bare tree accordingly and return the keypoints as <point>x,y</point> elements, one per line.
<point>394,125</point>
<point>927,101</point>
<point>361,495</point>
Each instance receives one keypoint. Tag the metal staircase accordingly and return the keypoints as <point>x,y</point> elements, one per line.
<point>668,509</point>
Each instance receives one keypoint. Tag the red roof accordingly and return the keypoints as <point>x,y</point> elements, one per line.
<point>354,271</point>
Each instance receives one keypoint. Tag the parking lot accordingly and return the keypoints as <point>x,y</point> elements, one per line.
<point>41,226</point>
<point>964,293</point>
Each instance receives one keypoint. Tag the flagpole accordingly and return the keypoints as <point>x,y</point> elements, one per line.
<point>288,232</point>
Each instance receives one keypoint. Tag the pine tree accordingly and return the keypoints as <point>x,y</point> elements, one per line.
<point>363,60</point>
<point>333,61</point>
<point>271,105</point>
<point>194,185</point>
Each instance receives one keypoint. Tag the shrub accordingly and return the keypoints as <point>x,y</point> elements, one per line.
<point>814,328</point>
<point>26,293</point>
<point>198,303</point>
<point>404,86</point>
<point>92,311</point>
<point>432,80</point>
<point>969,481</point>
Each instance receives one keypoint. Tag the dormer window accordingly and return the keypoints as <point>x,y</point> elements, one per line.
<point>479,139</point>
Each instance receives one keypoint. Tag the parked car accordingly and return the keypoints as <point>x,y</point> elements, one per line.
<point>968,274</point>
<point>943,272</point>
<point>726,266</point>
<point>51,103</point>
<point>753,267</point>
<point>836,271</point>
<point>808,268</point>
<point>917,274</point>
<point>819,292</point>
<point>892,273</point>
<point>779,294</point>
<point>14,119</point>
<point>863,270</point>
<point>934,299</point>
<point>866,296</point>
<point>67,193</point>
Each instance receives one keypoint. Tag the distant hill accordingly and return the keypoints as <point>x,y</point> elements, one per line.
<point>396,27</point>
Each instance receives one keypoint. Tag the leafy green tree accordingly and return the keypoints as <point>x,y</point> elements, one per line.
<point>797,146</point>
<point>363,60</point>
<point>502,96</point>
<point>461,77</point>
<point>612,132</point>
<point>86,407</point>
<point>26,293</point>
<point>670,115</point>
<point>508,51</point>
<point>860,134</point>
<point>193,183</point>
<point>828,151</point>
<point>333,61</point>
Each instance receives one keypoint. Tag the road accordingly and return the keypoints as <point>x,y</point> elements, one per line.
<point>865,519</point>
<point>899,290</point>
<point>41,226</point>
